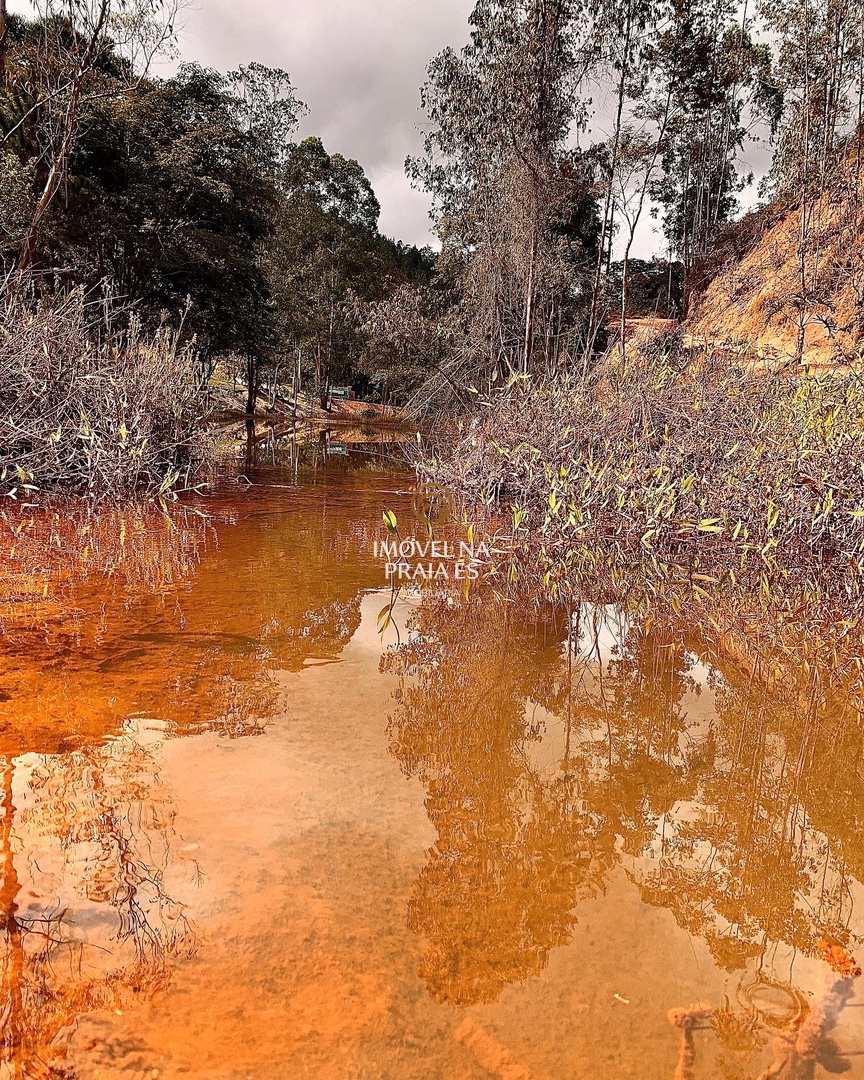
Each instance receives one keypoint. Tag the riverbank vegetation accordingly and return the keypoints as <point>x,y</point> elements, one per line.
<point>174,218</point>
<point>587,423</point>
<point>680,454</point>
<point>183,215</point>
<point>90,403</point>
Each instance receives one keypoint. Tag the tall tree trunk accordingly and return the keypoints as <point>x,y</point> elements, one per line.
<point>4,33</point>
<point>529,301</point>
<point>296,387</point>
<point>729,104</point>
<point>251,445</point>
<point>57,171</point>
<point>607,203</point>
<point>274,386</point>
<point>329,367</point>
<point>625,265</point>
<point>251,385</point>
<point>633,222</point>
<point>805,180</point>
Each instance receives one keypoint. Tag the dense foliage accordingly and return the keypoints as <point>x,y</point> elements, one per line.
<point>538,236</point>
<point>187,197</point>
<point>94,414</point>
<point>681,455</point>
<point>191,198</point>
<point>326,261</point>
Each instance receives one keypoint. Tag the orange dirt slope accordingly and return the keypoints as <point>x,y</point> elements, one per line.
<point>756,301</point>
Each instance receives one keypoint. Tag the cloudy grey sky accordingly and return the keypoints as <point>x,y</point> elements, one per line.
<point>358,64</point>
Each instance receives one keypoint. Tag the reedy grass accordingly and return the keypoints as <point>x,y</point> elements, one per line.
<point>92,411</point>
<point>679,457</point>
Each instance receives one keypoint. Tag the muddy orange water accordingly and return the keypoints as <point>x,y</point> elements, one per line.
<point>245,834</point>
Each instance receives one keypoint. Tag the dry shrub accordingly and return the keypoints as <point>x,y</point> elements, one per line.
<point>678,451</point>
<point>91,411</point>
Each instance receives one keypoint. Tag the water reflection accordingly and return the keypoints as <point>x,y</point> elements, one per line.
<point>514,848</point>
<point>120,630</point>
<point>558,748</point>
<point>692,761</point>
<point>180,615</point>
<point>88,920</point>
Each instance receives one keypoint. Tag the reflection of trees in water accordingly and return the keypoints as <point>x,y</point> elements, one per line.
<point>721,807</point>
<point>749,859</point>
<point>627,705</point>
<point>302,450</point>
<point>181,617</point>
<point>177,624</point>
<point>87,918</point>
<point>514,846</point>
<point>49,553</point>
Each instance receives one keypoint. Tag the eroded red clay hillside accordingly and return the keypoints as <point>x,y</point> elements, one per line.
<point>775,303</point>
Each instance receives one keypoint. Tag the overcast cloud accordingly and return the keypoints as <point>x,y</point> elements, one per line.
<point>358,64</point>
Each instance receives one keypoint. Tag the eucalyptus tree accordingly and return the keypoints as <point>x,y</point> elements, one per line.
<point>819,50</point>
<point>502,178</point>
<point>638,162</point>
<point>818,73</point>
<point>268,110</point>
<point>625,29</point>
<point>325,221</point>
<point>718,78</point>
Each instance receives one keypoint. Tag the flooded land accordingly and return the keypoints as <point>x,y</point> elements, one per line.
<point>262,817</point>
